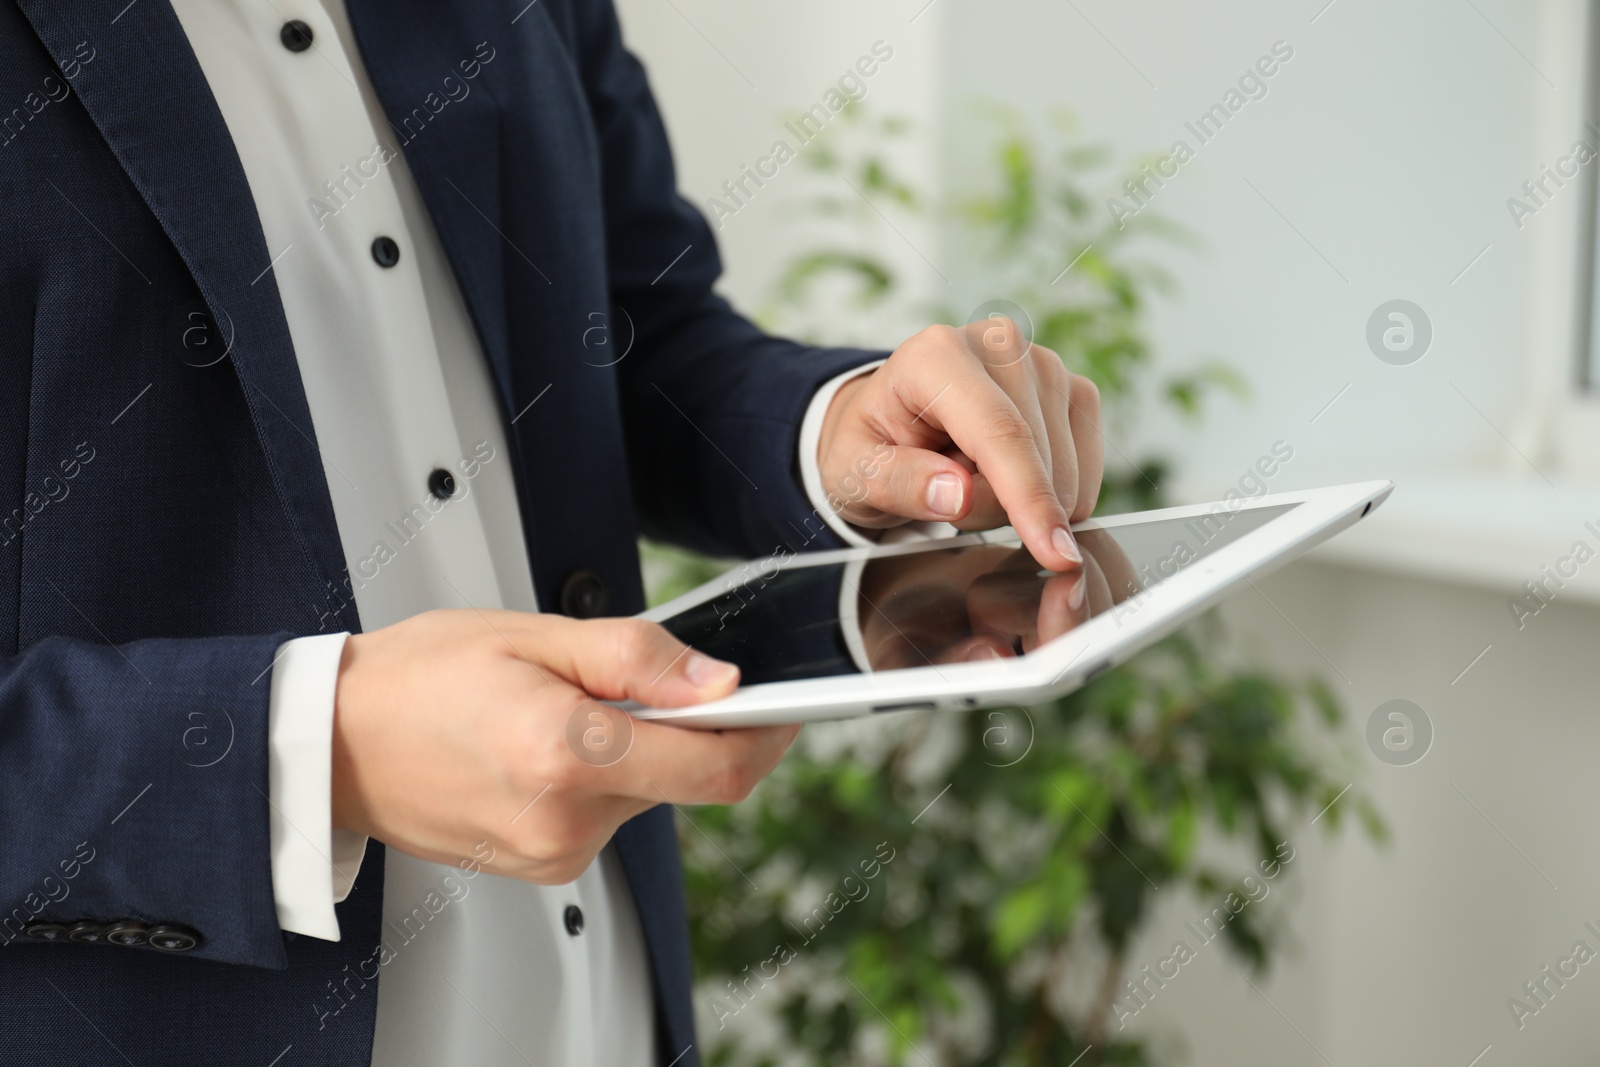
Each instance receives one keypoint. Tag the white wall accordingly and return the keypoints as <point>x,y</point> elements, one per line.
<point>1406,954</point>
<point>730,74</point>
<point>1389,143</point>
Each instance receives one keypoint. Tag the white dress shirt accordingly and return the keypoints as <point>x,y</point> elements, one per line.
<point>480,969</point>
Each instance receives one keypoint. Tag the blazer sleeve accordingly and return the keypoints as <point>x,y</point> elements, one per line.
<point>134,790</point>
<point>712,405</point>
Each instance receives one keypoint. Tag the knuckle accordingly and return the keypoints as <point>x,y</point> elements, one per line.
<point>563,771</point>
<point>1049,367</point>
<point>552,768</point>
<point>637,642</point>
<point>517,765</point>
<point>732,784</point>
<point>933,339</point>
<point>1008,333</point>
<point>1085,393</point>
<point>1045,499</point>
<point>1009,427</point>
<point>993,340</point>
<point>908,482</point>
<point>519,759</point>
<point>534,756</point>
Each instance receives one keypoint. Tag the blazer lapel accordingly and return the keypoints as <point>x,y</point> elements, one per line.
<point>146,93</point>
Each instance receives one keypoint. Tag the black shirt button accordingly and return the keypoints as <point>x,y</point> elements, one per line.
<point>295,35</point>
<point>127,932</point>
<point>385,253</point>
<point>172,939</point>
<point>573,917</point>
<point>584,595</point>
<point>442,484</point>
<point>87,933</point>
<point>46,931</point>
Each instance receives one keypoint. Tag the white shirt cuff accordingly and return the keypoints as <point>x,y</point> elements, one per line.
<point>811,472</point>
<point>811,476</point>
<point>313,865</point>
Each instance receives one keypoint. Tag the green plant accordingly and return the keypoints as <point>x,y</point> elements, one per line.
<point>1013,856</point>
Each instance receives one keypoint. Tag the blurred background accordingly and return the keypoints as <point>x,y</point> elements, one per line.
<point>1440,153</point>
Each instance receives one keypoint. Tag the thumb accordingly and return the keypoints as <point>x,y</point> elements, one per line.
<point>631,659</point>
<point>913,483</point>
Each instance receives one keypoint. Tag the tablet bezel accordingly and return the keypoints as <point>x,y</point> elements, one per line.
<point>1052,670</point>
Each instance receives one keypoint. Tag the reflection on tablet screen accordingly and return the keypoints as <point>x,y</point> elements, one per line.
<point>950,605</point>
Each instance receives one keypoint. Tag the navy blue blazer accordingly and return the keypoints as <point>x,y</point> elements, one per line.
<point>165,523</point>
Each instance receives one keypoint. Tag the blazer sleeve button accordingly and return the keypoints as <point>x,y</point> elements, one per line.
<point>46,931</point>
<point>87,932</point>
<point>172,938</point>
<point>127,932</point>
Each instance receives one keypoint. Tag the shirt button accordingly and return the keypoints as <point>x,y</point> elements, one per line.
<point>584,595</point>
<point>295,35</point>
<point>442,484</point>
<point>385,253</point>
<point>573,917</point>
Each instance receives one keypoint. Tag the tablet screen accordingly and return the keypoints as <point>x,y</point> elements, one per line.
<point>942,605</point>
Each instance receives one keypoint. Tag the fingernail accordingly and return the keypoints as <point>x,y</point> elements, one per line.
<point>979,654</point>
<point>704,672</point>
<point>944,495</point>
<point>1075,593</point>
<point>1063,543</point>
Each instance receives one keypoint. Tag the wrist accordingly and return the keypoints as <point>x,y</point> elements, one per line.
<point>838,410</point>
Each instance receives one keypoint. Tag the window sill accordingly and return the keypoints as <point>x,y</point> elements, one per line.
<point>1486,529</point>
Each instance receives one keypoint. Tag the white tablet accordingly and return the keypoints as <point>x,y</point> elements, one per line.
<point>973,621</point>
